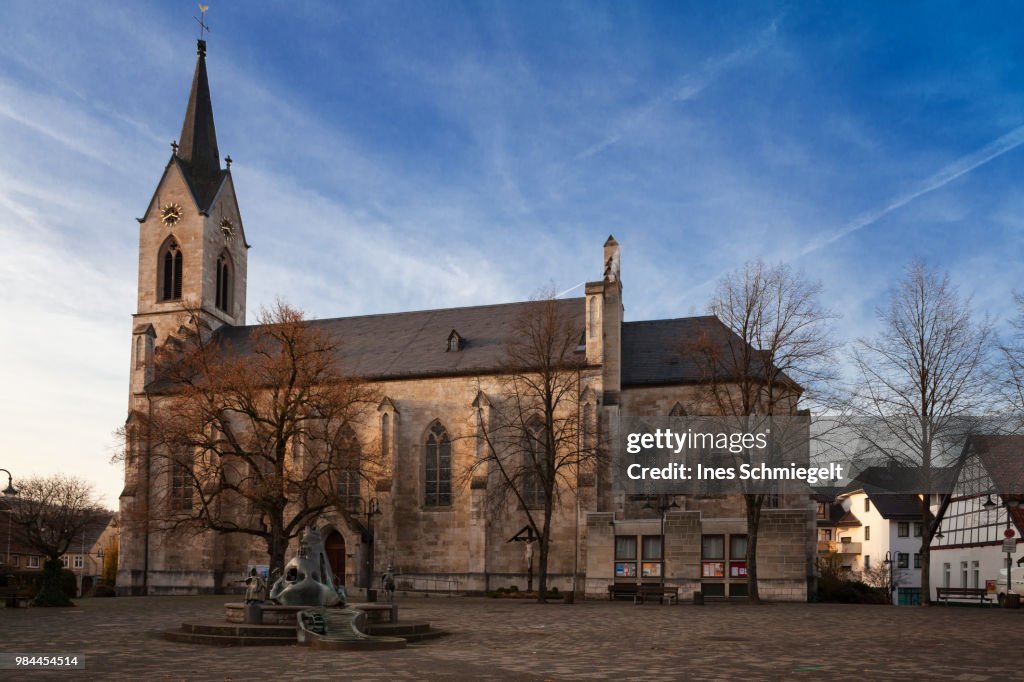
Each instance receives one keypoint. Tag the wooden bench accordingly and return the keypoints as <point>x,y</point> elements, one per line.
<point>944,594</point>
<point>16,597</point>
<point>639,593</point>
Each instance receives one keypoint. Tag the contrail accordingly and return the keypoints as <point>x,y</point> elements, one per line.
<point>570,289</point>
<point>943,177</point>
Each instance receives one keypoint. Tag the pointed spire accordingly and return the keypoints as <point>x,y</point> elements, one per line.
<point>197,146</point>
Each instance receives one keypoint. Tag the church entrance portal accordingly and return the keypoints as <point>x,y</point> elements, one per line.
<point>334,547</point>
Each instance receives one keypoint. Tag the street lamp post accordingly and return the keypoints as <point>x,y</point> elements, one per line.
<point>662,506</point>
<point>888,567</point>
<point>370,509</point>
<point>9,491</point>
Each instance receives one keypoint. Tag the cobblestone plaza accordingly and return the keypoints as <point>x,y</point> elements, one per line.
<point>517,640</point>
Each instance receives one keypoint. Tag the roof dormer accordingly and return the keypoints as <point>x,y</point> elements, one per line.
<point>454,342</point>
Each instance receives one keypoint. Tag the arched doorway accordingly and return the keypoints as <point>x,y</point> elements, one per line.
<point>334,547</point>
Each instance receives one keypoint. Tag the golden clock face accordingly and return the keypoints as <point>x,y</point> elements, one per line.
<point>170,214</point>
<point>227,227</point>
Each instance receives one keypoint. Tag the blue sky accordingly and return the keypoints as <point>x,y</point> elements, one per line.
<point>394,156</point>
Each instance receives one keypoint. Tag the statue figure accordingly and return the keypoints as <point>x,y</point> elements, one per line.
<point>308,579</point>
<point>387,583</point>
<point>256,588</point>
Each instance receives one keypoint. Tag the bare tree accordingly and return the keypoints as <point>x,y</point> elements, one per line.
<point>536,438</point>
<point>778,346</point>
<point>921,380</point>
<point>54,512</point>
<point>256,437</point>
<point>1013,355</point>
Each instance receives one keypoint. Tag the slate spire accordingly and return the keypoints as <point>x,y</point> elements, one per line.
<point>197,146</point>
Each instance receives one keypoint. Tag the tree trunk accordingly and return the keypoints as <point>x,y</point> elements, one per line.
<point>277,545</point>
<point>753,524</point>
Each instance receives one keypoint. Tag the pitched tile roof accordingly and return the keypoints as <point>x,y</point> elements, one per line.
<point>1003,459</point>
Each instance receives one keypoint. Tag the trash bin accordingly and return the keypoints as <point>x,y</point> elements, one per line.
<point>253,614</point>
<point>1011,601</point>
<point>698,598</point>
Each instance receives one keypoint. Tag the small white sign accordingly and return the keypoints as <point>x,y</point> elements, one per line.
<point>1010,545</point>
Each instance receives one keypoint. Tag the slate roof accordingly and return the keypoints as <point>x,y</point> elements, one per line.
<point>415,344</point>
<point>658,352</point>
<point>895,480</point>
<point>197,146</point>
<point>897,507</point>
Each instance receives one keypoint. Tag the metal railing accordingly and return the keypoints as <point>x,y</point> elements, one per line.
<point>427,584</point>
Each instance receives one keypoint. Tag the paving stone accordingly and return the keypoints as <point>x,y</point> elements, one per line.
<point>493,639</point>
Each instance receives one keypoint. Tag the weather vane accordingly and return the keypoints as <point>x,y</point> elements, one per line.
<point>201,19</point>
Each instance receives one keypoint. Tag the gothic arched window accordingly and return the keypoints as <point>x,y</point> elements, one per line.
<point>224,283</point>
<point>349,461</point>
<point>535,463</point>
<point>438,467</point>
<point>385,435</point>
<point>182,483</point>
<point>677,411</point>
<point>171,266</point>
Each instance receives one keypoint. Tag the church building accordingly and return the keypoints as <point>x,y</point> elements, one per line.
<point>434,370</point>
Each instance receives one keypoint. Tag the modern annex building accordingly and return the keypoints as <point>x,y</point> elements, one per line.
<point>192,255</point>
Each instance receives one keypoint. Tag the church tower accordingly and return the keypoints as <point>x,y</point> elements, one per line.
<point>192,248</point>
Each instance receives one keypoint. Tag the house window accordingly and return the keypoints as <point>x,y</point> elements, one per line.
<point>867,504</point>
<point>652,557</point>
<point>625,556</point>
<point>181,487</point>
<point>31,562</point>
<point>64,560</point>
<point>712,556</point>
<point>771,501</point>
<point>79,561</point>
<point>917,560</point>
<point>918,530</point>
<point>867,532</point>
<point>824,510</point>
<point>737,556</point>
<point>963,574</point>
<point>975,574</point>
<point>945,575</point>
<point>903,560</point>
<point>171,266</point>
<point>349,462</point>
<point>535,463</point>
<point>903,529</point>
<point>15,560</point>
<point>224,283</point>
<point>438,462</point>
<point>867,562</point>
